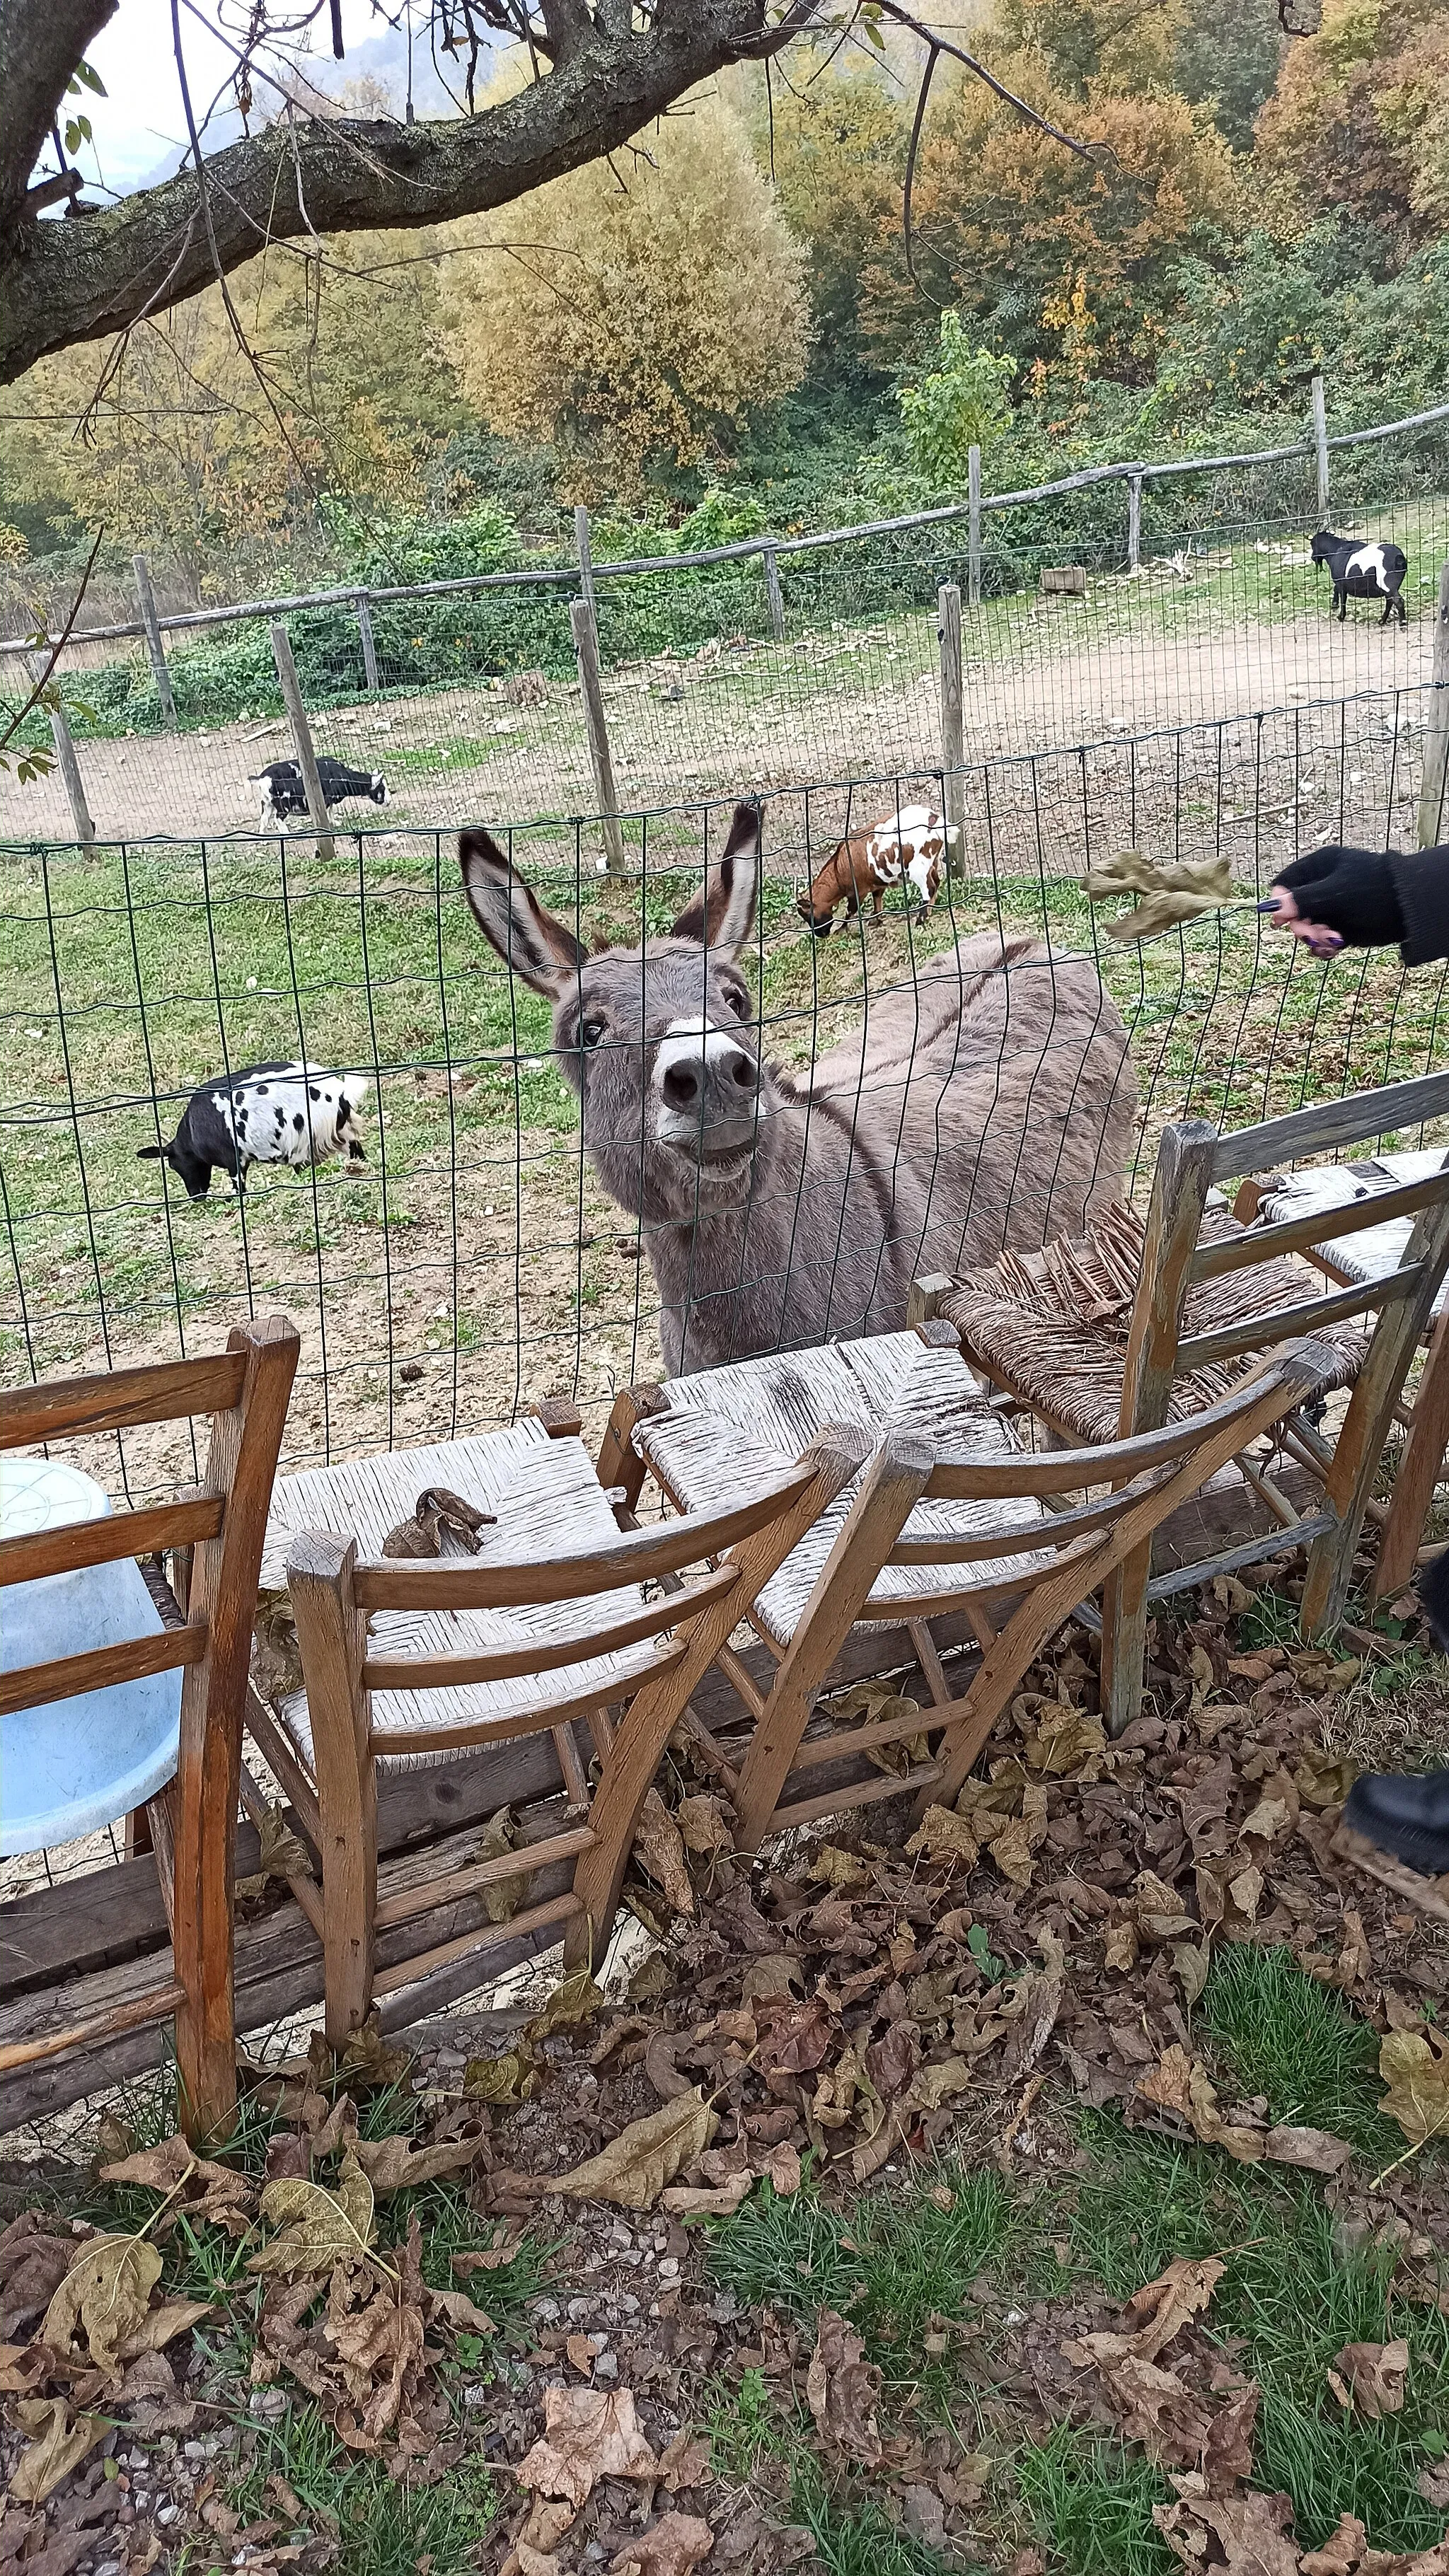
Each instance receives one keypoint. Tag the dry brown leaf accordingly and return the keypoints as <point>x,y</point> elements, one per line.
<point>1313,2150</point>
<point>56,2446</point>
<point>774,1978</point>
<point>833,1867</point>
<point>1180,2083</point>
<point>1153,2406</point>
<point>1227,2460</point>
<point>1252,2532</point>
<point>212,2192</point>
<point>841,2390</point>
<point>1161,2308</point>
<point>509,2078</point>
<point>1062,1738</point>
<point>574,1999</point>
<point>1370,2378</point>
<point>588,2433</point>
<point>685,2462</point>
<point>502,1897</point>
<point>458,2310</point>
<point>1014,1847</point>
<point>670,2547</point>
<point>941,2081</point>
<point>634,2168</point>
<point>716,2200</point>
<point>282,1854</point>
<point>659,1848</point>
<point>1415,2066</point>
<point>943,1835</point>
<point>318,2228</point>
<point>781,2170</point>
<point>703,1825</point>
<point>103,2300</point>
<point>367,2058</point>
<point>1120,1948</point>
<point>395,2164</point>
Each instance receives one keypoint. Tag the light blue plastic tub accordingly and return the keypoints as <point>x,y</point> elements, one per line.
<point>76,1764</point>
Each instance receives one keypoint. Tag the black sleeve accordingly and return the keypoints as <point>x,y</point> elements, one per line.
<point>1421,882</point>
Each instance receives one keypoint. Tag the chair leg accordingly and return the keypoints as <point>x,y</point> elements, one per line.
<point>619,1461</point>
<point>332,1635</point>
<point>1124,1640</point>
<point>652,1714</point>
<point>1419,1470</point>
<point>889,1492</point>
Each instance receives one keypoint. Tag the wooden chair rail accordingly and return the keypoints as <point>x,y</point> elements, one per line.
<point>69,1675</point>
<point>505,1663</point>
<point>144,1533</point>
<point>1303,1233</point>
<point>1283,1323</point>
<point>531,1718</point>
<point>1323,1129</point>
<point>636,1556</point>
<point>455,1883</point>
<point>1056,1471</point>
<point>1057,1529</point>
<point>122,1400</point>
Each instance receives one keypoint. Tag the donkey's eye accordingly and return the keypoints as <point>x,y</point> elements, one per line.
<point>740,1004</point>
<point>591,1032</point>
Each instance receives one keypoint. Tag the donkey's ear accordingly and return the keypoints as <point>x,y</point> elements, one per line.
<point>538,947</point>
<point>722,917</point>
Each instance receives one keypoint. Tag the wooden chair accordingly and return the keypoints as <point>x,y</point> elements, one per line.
<point>1138,1325</point>
<point>1348,1259</point>
<point>218,1528</point>
<point>561,1632</point>
<point>1128,1487</point>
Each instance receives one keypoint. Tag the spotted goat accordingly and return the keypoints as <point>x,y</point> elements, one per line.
<point>271,1113</point>
<point>1363,570</point>
<point>910,845</point>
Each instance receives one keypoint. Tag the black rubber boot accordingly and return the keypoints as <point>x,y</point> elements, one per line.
<point>1403,1815</point>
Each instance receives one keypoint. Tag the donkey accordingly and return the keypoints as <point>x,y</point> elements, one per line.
<point>988,1104</point>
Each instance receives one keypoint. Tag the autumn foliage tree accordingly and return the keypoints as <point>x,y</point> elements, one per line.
<point>642,309</point>
<point>1359,121</point>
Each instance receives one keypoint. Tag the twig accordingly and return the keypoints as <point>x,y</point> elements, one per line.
<point>1033,116</point>
<point>56,650</point>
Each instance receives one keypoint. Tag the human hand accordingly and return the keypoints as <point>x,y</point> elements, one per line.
<point>1337,898</point>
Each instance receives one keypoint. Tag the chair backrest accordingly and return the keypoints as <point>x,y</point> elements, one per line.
<point>648,1654</point>
<point>221,1525</point>
<point>1193,1158</point>
<point>1053,1564</point>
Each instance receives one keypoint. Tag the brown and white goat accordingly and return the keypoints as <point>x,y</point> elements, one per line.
<point>912,843</point>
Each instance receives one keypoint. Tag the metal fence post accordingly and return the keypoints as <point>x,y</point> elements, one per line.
<point>1436,729</point>
<point>952,735</point>
<point>302,737</point>
<point>772,592</point>
<point>369,643</point>
<point>1320,445</point>
<point>1134,523</point>
<point>586,646</point>
<point>154,645</point>
<point>973,528</point>
<point>85,829</point>
<point>586,558</point>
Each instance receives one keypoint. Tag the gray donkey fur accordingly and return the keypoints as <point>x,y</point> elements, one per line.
<point>986,1104</point>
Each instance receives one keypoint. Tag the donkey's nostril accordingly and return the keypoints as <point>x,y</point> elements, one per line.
<point>743,1071</point>
<point>681,1086</point>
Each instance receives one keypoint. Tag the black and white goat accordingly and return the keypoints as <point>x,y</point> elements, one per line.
<point>1363,570</point>
<point>271,1113</point>
<point>284,793</point>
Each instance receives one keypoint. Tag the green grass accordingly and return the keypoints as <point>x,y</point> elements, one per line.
<point>745,2426</point>
<point>853,2536</point>
<point>1285,2036</point>
<point>385,2526</point>
<point>1091,2500</point>
<point>894,2262</point>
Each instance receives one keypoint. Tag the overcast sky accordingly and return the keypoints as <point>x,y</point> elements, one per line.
<point>140,124</point>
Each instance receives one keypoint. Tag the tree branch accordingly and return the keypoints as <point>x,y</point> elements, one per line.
<point>64,283</point>
<point>40,47</point>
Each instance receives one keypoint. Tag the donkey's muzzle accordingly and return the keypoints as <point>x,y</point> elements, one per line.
<point>707,1095</point>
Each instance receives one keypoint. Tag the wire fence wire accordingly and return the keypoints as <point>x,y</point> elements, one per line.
<point>477,1264</point>
<point>472,707</point>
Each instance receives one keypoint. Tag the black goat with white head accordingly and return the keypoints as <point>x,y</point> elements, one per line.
<point>1363,570</point>
<point>272,1113</point>
<point>284,790</point>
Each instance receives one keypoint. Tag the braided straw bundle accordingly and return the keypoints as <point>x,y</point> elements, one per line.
<point>1177,892</point>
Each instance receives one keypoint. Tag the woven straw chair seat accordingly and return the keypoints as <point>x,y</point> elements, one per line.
<point>1053,1324</point>
<point>732,1428</point>
<point>545,1494</point>
<point>1379,1250</point>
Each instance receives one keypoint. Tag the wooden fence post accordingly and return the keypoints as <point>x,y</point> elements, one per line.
<point>85,829</point>
<point>772,592</point>
<point>586,647</point>
<point>369,643</point>
<point>973,528</point>
<point>1134,523</point>
<point>154,645</point>
<point>1436,727</point>
<point>302,738</point>
<point>586,559</point>
<point>949,629</point>
<point>1320,447</point>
